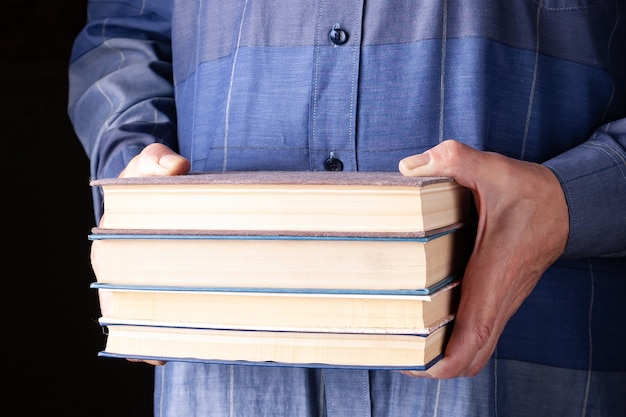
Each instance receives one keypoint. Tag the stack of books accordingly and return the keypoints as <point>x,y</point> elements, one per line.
<point>324,269</point>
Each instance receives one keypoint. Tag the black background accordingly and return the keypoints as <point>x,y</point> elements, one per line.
<point>50,311</point>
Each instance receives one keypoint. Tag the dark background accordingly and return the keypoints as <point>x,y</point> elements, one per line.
<point>53,337</point>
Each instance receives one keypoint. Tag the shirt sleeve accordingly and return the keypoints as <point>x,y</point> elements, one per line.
<point>593,177</point>
<point>121,93</point>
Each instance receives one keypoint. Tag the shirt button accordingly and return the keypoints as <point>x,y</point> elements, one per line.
<point>333,164</point>
<point>337,35</point>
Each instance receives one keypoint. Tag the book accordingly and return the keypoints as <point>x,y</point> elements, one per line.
<point>360,350</point>
<point>357,269</point>
<point>286,202</point>
<point>327,263</point>
<point>283,311</point>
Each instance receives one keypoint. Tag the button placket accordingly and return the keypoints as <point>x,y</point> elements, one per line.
<point>335,82</point>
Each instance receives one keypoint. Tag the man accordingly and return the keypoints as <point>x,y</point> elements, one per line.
<point>533,94</point>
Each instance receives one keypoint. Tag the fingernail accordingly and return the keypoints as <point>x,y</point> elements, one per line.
<point>411,162</point>
<point>419,374</point>
<point>167,161</point>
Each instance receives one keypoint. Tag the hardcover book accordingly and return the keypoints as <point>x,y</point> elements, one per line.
<point>286,202</point>
<point>265,262</point>
<point>360,350</point>
<point>280,311</point>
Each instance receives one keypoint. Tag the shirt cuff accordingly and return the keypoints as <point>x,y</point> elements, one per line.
<point>593,177</point>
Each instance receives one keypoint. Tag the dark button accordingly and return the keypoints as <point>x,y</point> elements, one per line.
<point>333,164</point>
<point>337,35</point>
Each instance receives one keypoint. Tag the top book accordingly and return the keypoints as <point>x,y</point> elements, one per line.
<point>287,202</point>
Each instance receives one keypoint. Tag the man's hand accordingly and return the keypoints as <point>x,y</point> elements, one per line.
<point>523,227</point>
<point>155,159</point>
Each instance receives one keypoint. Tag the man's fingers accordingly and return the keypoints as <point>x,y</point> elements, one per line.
<point>148,361</point>
<point>447,159</point>
<point>155,160</point>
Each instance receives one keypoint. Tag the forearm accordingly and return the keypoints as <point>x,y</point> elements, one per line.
<point>121,90</point>
<point>121,95</point>
<point>593,177</point>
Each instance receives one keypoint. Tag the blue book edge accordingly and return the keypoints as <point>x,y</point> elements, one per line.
<point>225,236</point>
<point>282,364</point>
<point>418,291</point>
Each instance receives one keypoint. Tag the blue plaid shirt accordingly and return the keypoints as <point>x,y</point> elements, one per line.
<point>268,85</point>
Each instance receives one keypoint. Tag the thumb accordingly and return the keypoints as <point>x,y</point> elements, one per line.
<point>156,159</point>
<point>449,158</point>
